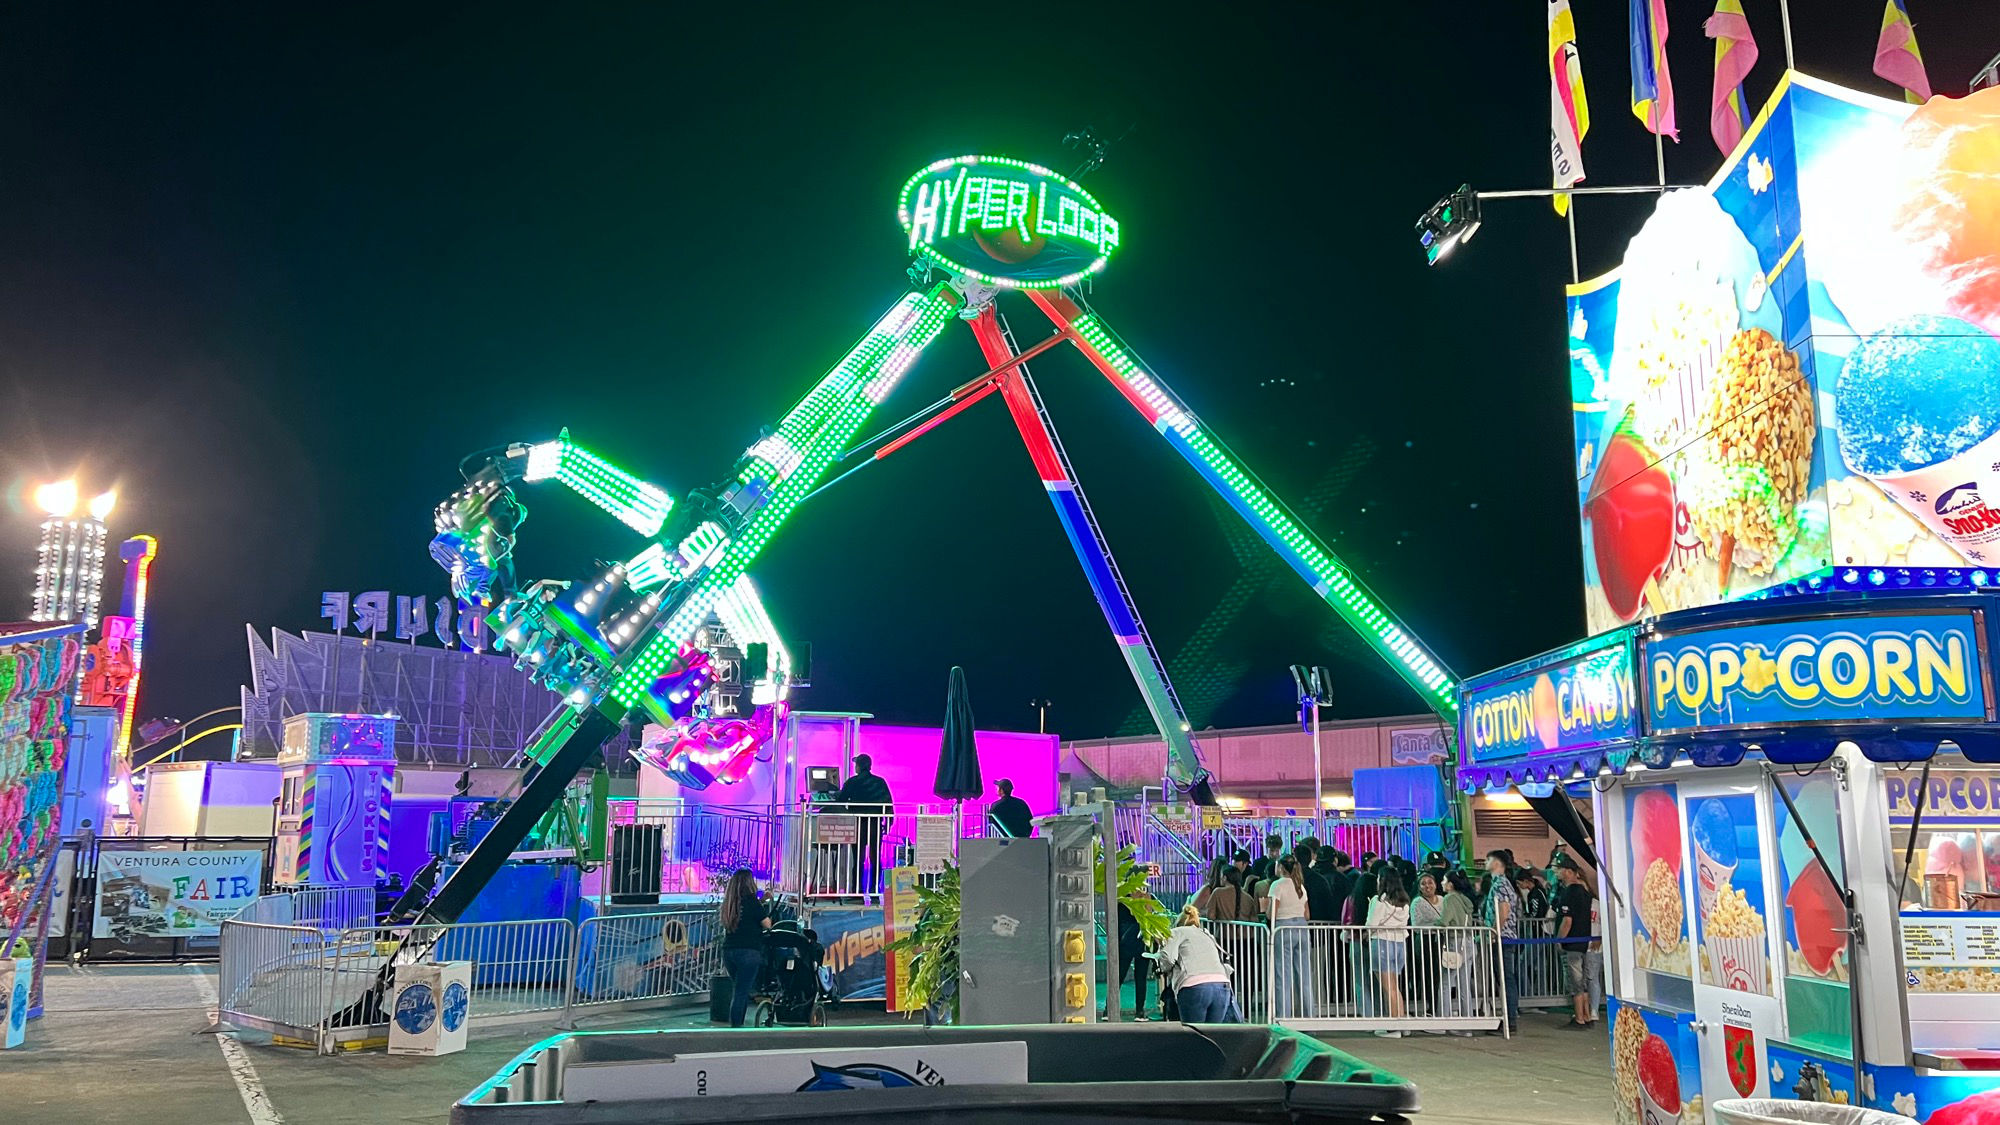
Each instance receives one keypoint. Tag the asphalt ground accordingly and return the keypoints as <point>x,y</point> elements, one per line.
<point>123,1044</point>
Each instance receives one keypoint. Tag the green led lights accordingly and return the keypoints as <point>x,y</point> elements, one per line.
<point>636,504</point>
<point>1332,579</point>
<point>871,370</point>
<point>1006,222</point>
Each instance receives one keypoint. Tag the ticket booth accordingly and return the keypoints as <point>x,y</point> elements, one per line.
<point>336,772</point>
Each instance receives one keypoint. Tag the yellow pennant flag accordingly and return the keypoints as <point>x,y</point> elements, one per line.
<point>1569,110</point>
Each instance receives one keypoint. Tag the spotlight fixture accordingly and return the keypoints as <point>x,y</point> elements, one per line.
<point>1450,221</point>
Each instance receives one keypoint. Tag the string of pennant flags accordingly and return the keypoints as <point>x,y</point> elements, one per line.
<point>1896,59</point>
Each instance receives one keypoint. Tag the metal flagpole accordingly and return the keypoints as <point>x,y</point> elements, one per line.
<point>1319,775</point>
<point>1570,214</point>
<point>1785,16</point>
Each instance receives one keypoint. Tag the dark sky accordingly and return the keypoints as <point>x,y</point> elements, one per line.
<point>273,269</point>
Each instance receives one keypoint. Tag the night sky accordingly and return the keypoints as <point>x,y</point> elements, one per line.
<point>273,269</point>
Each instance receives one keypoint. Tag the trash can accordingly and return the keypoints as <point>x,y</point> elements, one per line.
<point>1772,1111</point>
<point>721,990</point>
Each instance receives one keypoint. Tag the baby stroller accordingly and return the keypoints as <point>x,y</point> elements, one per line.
<point>796,986</point>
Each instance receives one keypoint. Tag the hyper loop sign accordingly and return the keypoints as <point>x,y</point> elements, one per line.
<point>1920,667</point>
<point>1572,704</point>
<point>1006,222</point>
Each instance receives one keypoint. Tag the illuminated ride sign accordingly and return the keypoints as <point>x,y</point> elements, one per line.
<point>1006,222</point>
<point>1909,667</point>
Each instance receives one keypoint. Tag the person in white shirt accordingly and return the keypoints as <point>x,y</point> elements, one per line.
<point>1285,905</point>
<point>1389,933</point>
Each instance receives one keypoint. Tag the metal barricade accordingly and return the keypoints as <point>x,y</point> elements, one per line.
<point>322,908</point>
<point>273,977</point>
<point>1246,949</point>
<point>623,958</point>
<point>1544,980</point>
<point>307,983</point>
<point>1324,977</point>
<point>519,968</point>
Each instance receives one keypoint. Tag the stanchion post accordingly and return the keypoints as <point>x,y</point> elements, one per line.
<point>569,973</point>
<point>1107,835</point>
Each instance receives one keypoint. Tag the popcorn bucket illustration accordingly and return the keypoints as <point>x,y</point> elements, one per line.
<point>1739,963</point>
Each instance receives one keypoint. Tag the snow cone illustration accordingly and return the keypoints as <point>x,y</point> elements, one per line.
<point>1732,933</point>
<point>1659,1084</point>
<point>1714,850</point>
<point>1919,408</point>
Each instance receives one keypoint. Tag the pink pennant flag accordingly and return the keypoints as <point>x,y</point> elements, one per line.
<point>1735,54</point>
<point>1896,54</point>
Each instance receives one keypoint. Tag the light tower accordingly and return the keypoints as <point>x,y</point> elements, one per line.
<point>69,570</point>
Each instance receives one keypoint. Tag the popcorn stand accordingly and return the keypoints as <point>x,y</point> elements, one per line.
<point>1754,766</point>
<point>1786,403</point>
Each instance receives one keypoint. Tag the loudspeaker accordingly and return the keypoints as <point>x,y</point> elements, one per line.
<point>636,851</point>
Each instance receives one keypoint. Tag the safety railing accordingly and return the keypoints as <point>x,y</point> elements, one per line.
<point>1320,977</point>
<point>1128,821</point>
<point>1177,871</point>
<point>1382,832</point>
<point>697,846</point>
<point>272,977</point>
<point>311,984</point>
<point>623,958</point>
<point>321,908</point>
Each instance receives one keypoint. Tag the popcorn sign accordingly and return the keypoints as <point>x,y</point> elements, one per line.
<point>1912,667</point>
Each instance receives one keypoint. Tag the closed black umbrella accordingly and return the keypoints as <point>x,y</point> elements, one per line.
<point>958,757</point>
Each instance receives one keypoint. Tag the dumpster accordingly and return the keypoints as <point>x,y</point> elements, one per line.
<point>1772,1111</point>
<point>1090,1074</point>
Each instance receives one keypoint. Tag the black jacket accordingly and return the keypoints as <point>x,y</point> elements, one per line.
<point>1013,814</point>
<point>1321,901</point>
<point>864,789</point>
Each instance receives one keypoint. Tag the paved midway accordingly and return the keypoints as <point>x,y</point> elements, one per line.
<point>123,1046</point>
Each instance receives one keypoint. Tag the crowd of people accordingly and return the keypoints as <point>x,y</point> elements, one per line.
<point>1409,949</point>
